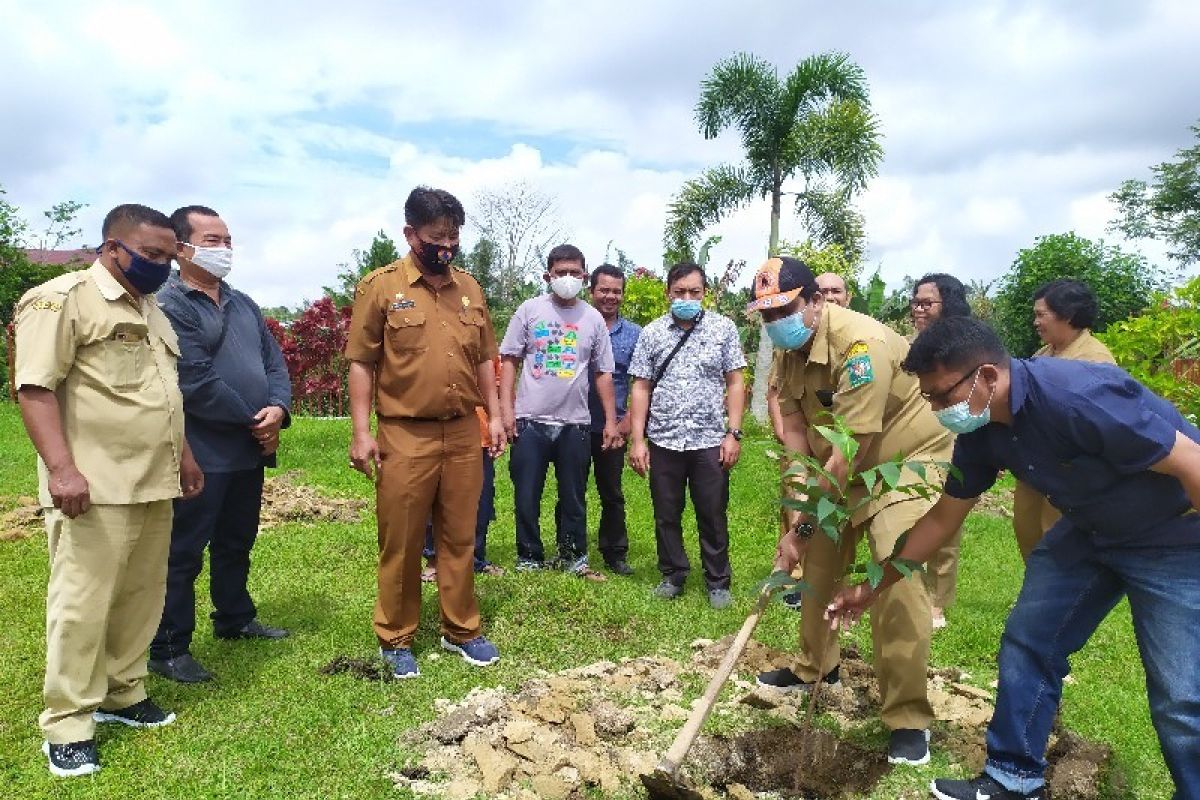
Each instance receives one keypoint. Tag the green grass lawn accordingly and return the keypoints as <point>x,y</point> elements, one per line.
<point>271,726</point>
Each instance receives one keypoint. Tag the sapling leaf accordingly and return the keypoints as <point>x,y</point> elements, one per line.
<point>900,566</point>
<point>869,477</point>
<point>779,581</point>
<point>900,541</point>
<point>874,574</point>
<point>919,468</point>
<point>912,566</point>
<point>833,531</point>
<point>825,507</point>
<point>890,472</point>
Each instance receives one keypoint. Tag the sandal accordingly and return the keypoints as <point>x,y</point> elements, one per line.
<point>589,574</point>
<point>429,574</point>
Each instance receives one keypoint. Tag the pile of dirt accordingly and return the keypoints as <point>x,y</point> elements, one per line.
<point>596,729</point>
<point>287,500</point>
<point>21,521</point>
<point>998,504</point>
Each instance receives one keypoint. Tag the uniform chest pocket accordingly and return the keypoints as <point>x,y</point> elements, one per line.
<point>126,357</point>
<point>406,330</point>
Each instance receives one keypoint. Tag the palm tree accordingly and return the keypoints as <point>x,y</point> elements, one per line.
<point>816,125</point>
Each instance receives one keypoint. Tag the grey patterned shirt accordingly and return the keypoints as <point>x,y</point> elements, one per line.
<point>687,409</point>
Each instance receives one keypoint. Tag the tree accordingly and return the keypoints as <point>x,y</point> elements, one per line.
<point>1123,284</point>
<point>1168,208</point>
<point>381,252</point>
<point>521,221</point>
<point>59,220</point>
<point>483,264</point>
<point>815,124</point>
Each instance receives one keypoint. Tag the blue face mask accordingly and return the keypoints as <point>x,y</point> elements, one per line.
<point>789,333</point>
<point>685,309</point>
<point>958,417</point>
<point>144,275</point>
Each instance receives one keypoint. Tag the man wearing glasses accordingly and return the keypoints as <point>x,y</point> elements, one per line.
<point>839,362</point>
<point>1123,467</point>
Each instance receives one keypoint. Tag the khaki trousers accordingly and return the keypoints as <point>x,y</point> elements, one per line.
<point>108,577</point>
<point>941,574</point>
<point>900,624</point>
<point>430,469</point>
<point>1032,517</point>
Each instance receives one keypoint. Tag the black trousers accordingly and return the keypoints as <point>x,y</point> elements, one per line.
<point>607,468</point>
<point>224,518</point>
<point>701,474</point>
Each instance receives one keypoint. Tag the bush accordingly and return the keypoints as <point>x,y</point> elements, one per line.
<point>1160,346</point>
<point>1122,282</point>
<point>645,297</point>
<point>312,348</point>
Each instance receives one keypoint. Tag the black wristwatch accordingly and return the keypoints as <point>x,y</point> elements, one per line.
<point>736,433</point>
<point>805,530</point>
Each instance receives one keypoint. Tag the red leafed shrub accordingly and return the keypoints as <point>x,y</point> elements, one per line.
<point>312,348</point>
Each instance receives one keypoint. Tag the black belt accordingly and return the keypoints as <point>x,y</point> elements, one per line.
<point>448,418</point>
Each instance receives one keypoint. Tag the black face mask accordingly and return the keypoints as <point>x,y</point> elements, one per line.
<point>435,257</point>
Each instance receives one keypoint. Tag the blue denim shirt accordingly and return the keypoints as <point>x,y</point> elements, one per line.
<point>224,381</point>
<point>1085,435</point>
<point>624,336</point>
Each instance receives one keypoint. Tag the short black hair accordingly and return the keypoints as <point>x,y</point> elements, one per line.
<point>605,269</point>
<point>682,270</point>
<point>952,291</point>
<point>131,215</point>
<point>565,252</point>
<point>954,343</point>
<point>425,206</point>
<point>182,223</point>
<point>1072,301</point>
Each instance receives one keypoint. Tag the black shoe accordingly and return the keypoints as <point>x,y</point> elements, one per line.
<point>144,714</point>
<point>982,788</point>
<point>181,669</point>
<point>619,567</point>
<point>793,600</point>
<point>667,590</point>
<point>787,681</point>
<point>909,746</point>
<point>69,760</point>
<point>255,630</point>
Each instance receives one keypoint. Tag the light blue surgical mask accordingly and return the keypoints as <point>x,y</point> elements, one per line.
<point>789,333</point>
<point>958,417</point>
<point>685,309</point>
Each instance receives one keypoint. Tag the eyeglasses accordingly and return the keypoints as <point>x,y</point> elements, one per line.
<point>923,305</point>
<point>942,399</point>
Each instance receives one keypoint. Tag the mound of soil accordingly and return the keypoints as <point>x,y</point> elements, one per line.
<point>21,521</point>
<point>286,500</point>
<point>597,729</point>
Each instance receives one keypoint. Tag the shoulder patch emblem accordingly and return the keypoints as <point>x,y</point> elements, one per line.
<point>857,349</point>
<point>45,305</point>
<point>859,369</point>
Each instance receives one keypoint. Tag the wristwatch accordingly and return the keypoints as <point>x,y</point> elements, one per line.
<point>736,433</point>
<point>804,530</point>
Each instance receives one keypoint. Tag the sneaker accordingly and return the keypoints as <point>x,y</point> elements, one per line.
<point>982,788</point>
<point>75,758</point>
<point>720,598</point>
<point>793,600</point>
<point>667,590</point>
<point>909,746</point>
<point>529,565</point>
<point>619,567</point>
<point>478,652</point>
<point>254,630</point>
<point>143,714</point>
<point>401,661</point>
<point>787,681</point>
<point>181,669</point>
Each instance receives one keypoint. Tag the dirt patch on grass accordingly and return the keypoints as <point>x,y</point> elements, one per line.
<point>367,669</point>
<point>22,519</point>
<point>287,500</point>
<point>595,730</point>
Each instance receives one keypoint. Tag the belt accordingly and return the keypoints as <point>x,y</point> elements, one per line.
<point>447,418</point>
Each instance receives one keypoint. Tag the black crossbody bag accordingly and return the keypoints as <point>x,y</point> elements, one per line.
<point>662,370</point>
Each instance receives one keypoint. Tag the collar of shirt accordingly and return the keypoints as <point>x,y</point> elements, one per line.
<point>412,273</point>
<point>176,280</point>
<point>1018,384</point>
<point>615,330</point>
<point>819,352</point>
<point>110,288</point>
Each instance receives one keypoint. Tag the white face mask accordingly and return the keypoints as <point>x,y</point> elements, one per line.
<point>216,261</point>
<point>566,286</point>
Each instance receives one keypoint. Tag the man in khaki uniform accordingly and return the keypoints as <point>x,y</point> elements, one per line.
<point>1064,310</point>
<point>840,362</point>
<point>421,346</point>
<point>99,394</point>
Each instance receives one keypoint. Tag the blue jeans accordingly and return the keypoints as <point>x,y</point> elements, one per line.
<point>569,448</point>
<point>483,519</point>
<point>1058,609</point>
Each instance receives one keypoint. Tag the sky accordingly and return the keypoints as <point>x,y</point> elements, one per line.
<point>306,124</point>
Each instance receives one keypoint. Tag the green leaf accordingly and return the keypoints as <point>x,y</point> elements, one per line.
<point>779,581</point>
<point>874,574</point>
<point>869,477</point>
<point>890,472</point>
<point>909,564</point>
<point>900,541</point>
<point>901,568</point>
<point>917,467</point>
<point>826,508</point>
<point>833,530</point>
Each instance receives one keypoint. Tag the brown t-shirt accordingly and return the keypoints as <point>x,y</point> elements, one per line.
<point>854,366</point>
<point>425,343</point>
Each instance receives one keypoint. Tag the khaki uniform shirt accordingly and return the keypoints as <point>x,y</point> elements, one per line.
<point>1085,348</point>
<point>110,360</point>
<point>853,370</point>
<point>425,343</point>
